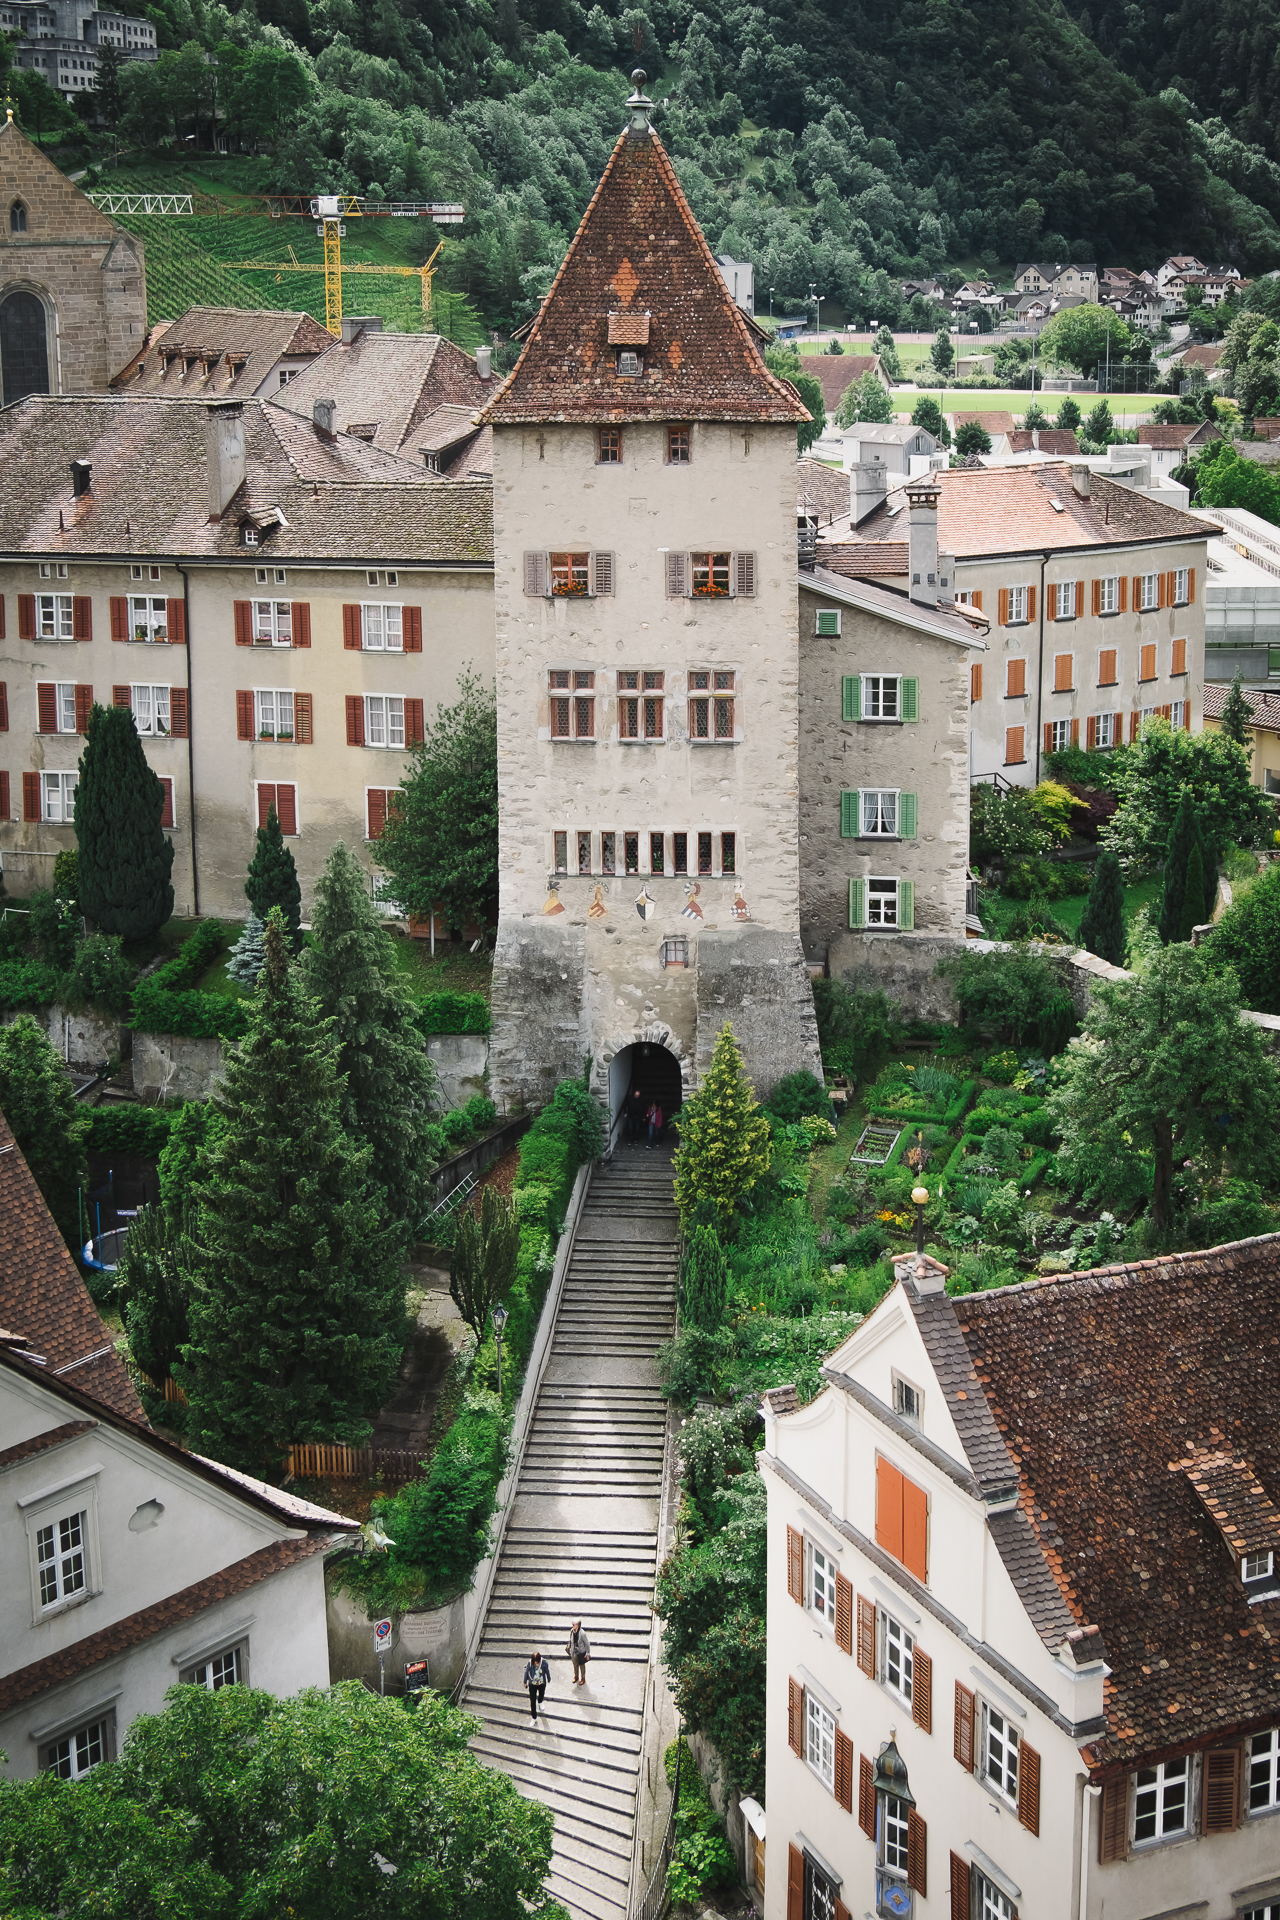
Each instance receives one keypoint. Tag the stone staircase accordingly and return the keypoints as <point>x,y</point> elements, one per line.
<point>581,1539</point>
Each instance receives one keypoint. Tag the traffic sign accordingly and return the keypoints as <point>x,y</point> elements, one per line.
<point>382,1634</point>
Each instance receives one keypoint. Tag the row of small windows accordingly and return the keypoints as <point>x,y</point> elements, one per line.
<point>1111,594</point>
<point>642,703</point>
<point>1064,670</point>
<point>585,575</point>
<point>1100,730</point>
<point>589,852</point>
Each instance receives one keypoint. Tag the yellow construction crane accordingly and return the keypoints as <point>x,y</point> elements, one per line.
<point>328,210</point>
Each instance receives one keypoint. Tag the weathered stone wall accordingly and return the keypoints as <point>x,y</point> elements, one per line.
<point>461,1061</point>
<point>171,1067</point>
<point>84,1040</point>
<point>902,965</point>
<point>538,1035</point>
<point>756,981</point>
<point>437,1636</point>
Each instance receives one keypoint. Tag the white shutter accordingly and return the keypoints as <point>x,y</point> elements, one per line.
<point>602,573</point>
<point>677,576</point>
<point>536,574</point>
<point>744,574</point>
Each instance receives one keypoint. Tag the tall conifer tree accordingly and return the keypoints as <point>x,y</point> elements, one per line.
<point>272,880</point>
<point>1102,922</point>
<point>1237,715</point>
<point>1192,893</point>
<point>125,858</point>
<point>297,1310</point>
<point>724,1137</point>
<point>1182,837</point>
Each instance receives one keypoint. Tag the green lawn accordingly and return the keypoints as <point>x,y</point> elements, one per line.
<point>998,910</point>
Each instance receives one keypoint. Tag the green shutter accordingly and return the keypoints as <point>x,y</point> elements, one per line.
<point>907,816</point>
<point>852,686</point>
<point>907,905</point>
<point>849,815</point>
<point>911,699</point>
<point>857,903</point>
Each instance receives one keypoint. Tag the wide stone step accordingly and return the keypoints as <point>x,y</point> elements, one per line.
<point>533,1748</point>
<point>579,1899</point>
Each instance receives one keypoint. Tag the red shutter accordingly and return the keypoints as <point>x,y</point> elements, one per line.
<point>1113,1820</point>
<point>82,617</point>
<point>413,722</point>
<point>1079,599</point>
<point>795,1565</point>
<point>795,1716</point>
<point>176,620</point>
<point>795,1884</point>
<point>121,697</point>
<point>917,1853</point>
<point>31,796</point>
<point>411,629</point>
<point>84,706</point>
<point>1029,1788</point>
<point>889,1508</point>
<point>166,816</point>
<point>1048,736</point>
<point>376,804</point>
<point>4,796</point>
<point>242,612</point>
<point>866,1797</point>
<point>302,724</point>
<point>355,720</point>
<point>27,620</point>
<point>959,1888</point>
<point>915,1530</point>
<point>119,617</point>
<point>1221,1803</point>
<point>266,800</point>
<point>1031,603</point>
<point>922,1689</point>
<point>179,722</point>
<point>46,706</point>
<point>1075,733</point>
<point>844,1614</point>
<point>300,613</point>
<point>244,715</point>
<point>351,629</point>
<point>287,808</point>
<point>867,1635</point>
<point>962,1745</point>
<point>4,706</point>
<point>844,1771</point>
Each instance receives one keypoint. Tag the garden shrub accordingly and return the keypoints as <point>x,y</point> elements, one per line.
<point>1037,921</point>
<point>1238,1213</point>
<point>169,1002</point>
<point>1247,939</point>
<point>1016,995</point>
<point>130,1129</point>
<point>701,1858</point>
<point>692,1365</point>
<point>1001,1151</point>
<point>1000,1067</point>
<point>937,1086</point>
<point>100,975</point>
<point>452,1013</point>
<point>26,984</point>
<point>796,1095</point>
<point>52,926</point>
<point>852,1025</point>
<point>704,1280</point>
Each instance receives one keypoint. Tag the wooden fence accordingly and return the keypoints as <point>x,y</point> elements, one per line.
<point>314,1461</point>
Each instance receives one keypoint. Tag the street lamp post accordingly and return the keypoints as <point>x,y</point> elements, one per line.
<point>920,1195</point>
<point>499,1322</point>
<point>817,299</point>
<point>771,303</point>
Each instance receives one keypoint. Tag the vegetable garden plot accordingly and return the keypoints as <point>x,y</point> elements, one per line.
<point>875,1144</point>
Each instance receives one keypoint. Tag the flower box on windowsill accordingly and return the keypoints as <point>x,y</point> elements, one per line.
<point>570,593</point>
<point>285,733</point>
<point>711,593</point>
<point>266,733</point>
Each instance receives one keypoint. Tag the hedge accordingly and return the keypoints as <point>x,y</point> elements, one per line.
<point>29,983</point>
<point>168,1001</point>
<point>936,1116</point>
<point>130,1129</point>
<point>452,1013</point>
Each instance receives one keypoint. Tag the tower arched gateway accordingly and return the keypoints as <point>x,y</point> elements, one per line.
<point>649,1062</point>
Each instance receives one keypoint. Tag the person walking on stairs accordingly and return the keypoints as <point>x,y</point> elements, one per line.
<point>579,1651</point>
<point>536,1676</point>
<point>654,1117</point>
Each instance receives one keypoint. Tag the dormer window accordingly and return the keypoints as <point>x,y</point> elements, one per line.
<point>629,364</point>
<point>249,536</point>
<point>1257,1566</point>
<point>17,218</point>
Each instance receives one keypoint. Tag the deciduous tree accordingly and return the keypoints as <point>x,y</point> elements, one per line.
<point>1247,938</point>
<point>483,1265</point>
<point>125,857</point>
<point>865,398</point>
<point>1162,765</point>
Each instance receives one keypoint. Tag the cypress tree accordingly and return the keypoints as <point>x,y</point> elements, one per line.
<point>248,956</point>
<point>1102,922</point>
<point>272,880</point>
<point>1182,836</point>
<point>391,1086</point>
<point>297,1304</point>
<point>125,857</point>
<point>1209,869</point>
<point>1237,715</point>
<point>704,1281</point>
<point>1193,892</point>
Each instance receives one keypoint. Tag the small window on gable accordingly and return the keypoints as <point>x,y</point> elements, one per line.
<point>908,1401</point>
<point>17,218</point>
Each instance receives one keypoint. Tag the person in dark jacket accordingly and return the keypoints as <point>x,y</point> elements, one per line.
<point>578,1648</point>
<point>536,1676</point>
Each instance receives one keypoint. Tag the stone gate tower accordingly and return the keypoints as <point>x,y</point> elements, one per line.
<point>647,661</point>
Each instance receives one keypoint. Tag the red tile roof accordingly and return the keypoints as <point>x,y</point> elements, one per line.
<point>639,250</point>
<point>1110,1390</point>
<point>993,423</point>
<point>42,1296</point>
<point>835,373</point>
<point>1265,706</point>
<point>45,1442</point>
<point>1055,440</point>
<point>864,560</point>
<point>1267,429</point>
<point>1178,436</point>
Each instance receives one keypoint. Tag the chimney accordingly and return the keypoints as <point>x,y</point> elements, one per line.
<point>322,412</point>
<point>356,323</point>
<point>1082,481</point>
<point>224,453</point>
<point>922,562</point>
<point>946,579</point>
<point>81,478</point>
<point>484,362</point>
<point>868,487</point>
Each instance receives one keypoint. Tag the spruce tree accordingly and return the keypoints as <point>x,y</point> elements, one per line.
<point>248,956</point>
<point>1193,892</point>
<point>391,1086</point>
<point>1237,714</point>
<point>272,880</point>
<point>38,1102</point>
<point>125,857</point>
<point>297,1305</point>
<point>724,1137</point>
<point>1102,922</point>
<point>1182,837</point>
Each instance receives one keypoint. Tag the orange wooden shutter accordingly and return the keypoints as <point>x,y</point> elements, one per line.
<point>1075,733</point>
<point>1079,599</point>
<point>795,1716</point>
<point>922,1689</point>
<point>175,613</point>
<point>179,716</point>
<point>1031,603</point>
<point>302,735</point>
<point>867,1635</point>
<point>4,706</point>
<point>1107,667</point>
<point>1163,595</point>
<point>119,617</point>
<point>46,706</point>
<point>413,722</point>
<point>1179,657</point>
<point>1191,586</point>
<point>915,1530</point>
<point>1029,1788</point>
<point>889,1508</point>
<point>795,1884</point>
<point>959,1888</point>
<point>1091,732</point>
<point>1113,1820</point>
<point>27,620</point>
<point>242,612</point>
<point>1002,604</point>
<point>1014,752</point>
<point>166,812</point>
<point>1166,713</point>
<point>975,681</point>
<point>1051,605</point>
<point>351,629</point>
<point>1048,736</point>
<point>376,802</point>
<point>31,796</point>
<point>975,600</point>
<point>795,1565</point>
<point>82,616</point>
<point>1124,593</point>
<point>866,1797</point>
<point>4,796</point>
<point>287,808</point>
<point>1,616</point>
<point>962,1745</point>
<point>1117,729</point>
<point>844,1771</point>
<point>842,1912</point>
<point>1221,1796</point>
<point>1135,721</point>
<point>121,697</point>
<point>917,1852</point>
<point>1097,596</point>
<point>300,622</point>
<point>1147,663</point>
<point>412,629</point>
<point>244,714</point>
<point>1062,665</point>
<point>1016,678</point>
<point>84,707</point>
<point>266,800</point>
<point>355,720</point>
<point>844,1614</point>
